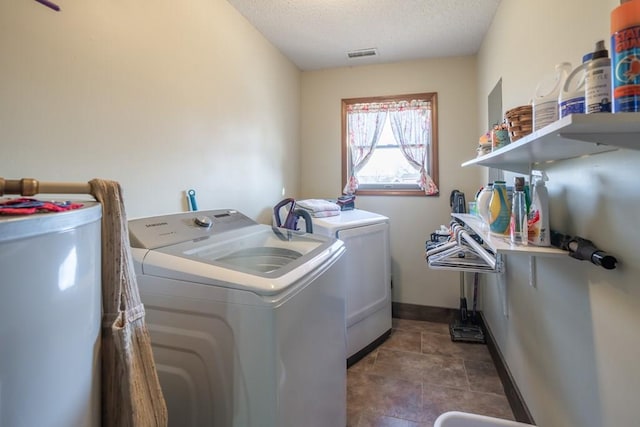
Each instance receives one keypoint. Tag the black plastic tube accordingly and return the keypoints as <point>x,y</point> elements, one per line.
<point>583,250</point>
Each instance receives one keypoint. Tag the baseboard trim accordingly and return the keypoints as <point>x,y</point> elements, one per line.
<point>447,315</point>
<point>516,401</point>
<point>368,349</point>
<point>422,312</point>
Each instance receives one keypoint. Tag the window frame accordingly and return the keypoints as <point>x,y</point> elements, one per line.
<point>432,167</point>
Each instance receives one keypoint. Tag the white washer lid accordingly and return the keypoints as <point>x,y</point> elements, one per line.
<point>259,258</point>
<point>220,273</point>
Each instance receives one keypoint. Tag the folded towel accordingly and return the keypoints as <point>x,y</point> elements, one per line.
<point>318,205</point>
<point>324,214</point>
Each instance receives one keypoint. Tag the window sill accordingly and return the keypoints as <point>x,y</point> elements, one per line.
<point>393,192</point>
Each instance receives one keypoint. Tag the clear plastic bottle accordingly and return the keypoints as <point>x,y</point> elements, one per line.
<point>518,230</point>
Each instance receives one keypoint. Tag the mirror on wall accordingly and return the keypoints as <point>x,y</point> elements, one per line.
<point>494,103</point>
<point>495,116</point>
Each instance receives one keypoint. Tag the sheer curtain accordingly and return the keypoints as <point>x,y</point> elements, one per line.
<point>364,126</point>
<point>411,126</point>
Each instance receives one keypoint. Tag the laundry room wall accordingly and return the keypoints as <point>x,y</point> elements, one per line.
<point>159,95</point>
<point>570,341</point>
<point>412,219</point>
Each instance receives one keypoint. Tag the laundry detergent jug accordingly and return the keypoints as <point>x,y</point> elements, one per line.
<point>499,209</point>
<point>545,101</point>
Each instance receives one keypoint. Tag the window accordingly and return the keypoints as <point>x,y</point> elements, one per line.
<point>390,145</point>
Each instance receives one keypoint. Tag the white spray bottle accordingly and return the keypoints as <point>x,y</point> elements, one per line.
<point>538,224</point>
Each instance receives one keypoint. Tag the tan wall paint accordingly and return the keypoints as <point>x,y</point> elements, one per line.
<point>161,96</point>
<point>412,218</point>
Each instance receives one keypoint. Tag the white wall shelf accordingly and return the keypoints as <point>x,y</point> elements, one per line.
<point>572,136</point>
<point>501,244</point>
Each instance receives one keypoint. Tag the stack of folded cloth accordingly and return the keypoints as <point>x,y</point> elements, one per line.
<point>346,202</point>
<point>319,208</point>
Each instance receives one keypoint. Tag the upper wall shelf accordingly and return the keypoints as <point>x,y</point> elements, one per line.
<point>572,136</point>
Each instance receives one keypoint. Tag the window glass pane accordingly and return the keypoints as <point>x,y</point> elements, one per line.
<point>387,164</point>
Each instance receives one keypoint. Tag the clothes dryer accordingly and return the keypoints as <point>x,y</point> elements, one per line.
<point>247,321</point>
<point>366,276</point>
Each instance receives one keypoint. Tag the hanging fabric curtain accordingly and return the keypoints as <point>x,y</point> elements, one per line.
<point>364,126</point>
<point>131,393</point>
<point>411,126</point>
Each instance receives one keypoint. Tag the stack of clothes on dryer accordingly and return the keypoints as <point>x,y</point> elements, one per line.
<point>319,208</point>
<point>346,202</point>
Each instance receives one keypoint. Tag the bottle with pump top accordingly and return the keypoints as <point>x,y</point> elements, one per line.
<point>597,81</point>
<point>518,230</point>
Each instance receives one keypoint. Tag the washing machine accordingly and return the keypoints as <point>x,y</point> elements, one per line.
<point>366,275</point>
<point>247,321</point>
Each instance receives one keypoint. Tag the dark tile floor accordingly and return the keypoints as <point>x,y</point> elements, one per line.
<point>419,373</point>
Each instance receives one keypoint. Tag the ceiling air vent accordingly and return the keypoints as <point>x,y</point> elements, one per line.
<point>362,52</point>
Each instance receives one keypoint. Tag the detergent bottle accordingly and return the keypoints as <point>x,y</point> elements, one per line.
<point>499,209</point>
<point>545,100</point>
<point>572,95</point>
<point>538,222</point>
<point>483,200</point>
<point>625,56</point>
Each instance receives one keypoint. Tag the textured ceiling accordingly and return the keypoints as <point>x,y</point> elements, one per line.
<point>317,34</point>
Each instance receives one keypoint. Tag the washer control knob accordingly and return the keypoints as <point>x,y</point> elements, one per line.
<point>203,221</point>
